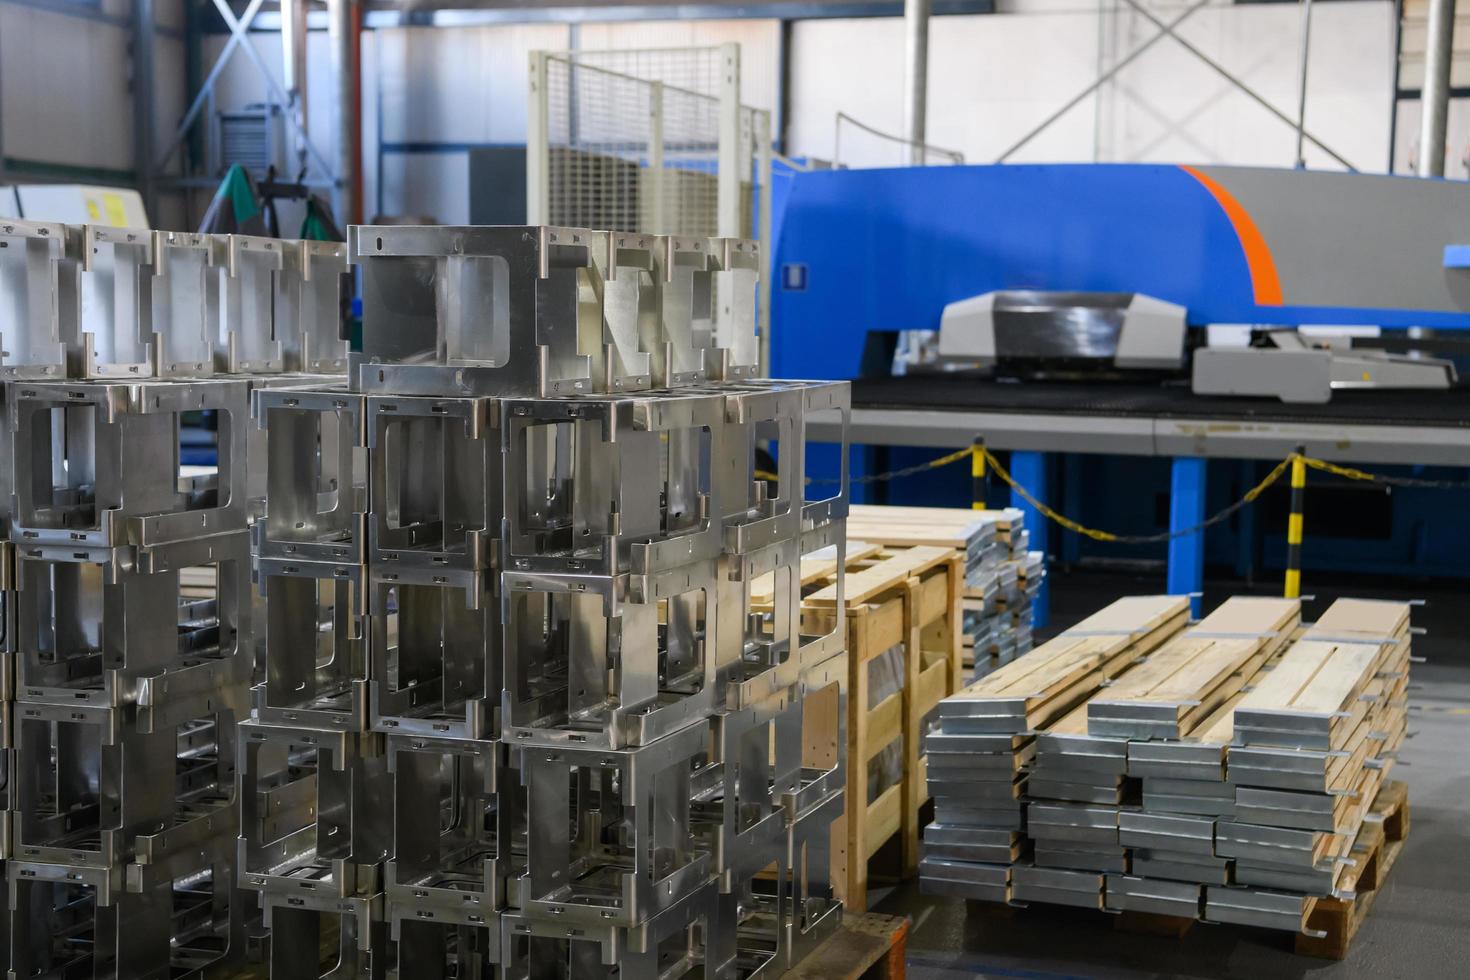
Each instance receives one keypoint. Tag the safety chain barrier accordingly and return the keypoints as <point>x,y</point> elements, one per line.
<point>1254,493</point>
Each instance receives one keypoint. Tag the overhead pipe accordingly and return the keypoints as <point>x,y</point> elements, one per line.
<point>1439,43</point>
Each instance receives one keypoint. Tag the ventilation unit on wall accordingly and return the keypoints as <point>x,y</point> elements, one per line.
<point>253,137</point>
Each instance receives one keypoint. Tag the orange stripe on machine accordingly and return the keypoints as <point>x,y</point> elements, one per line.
<point>1264,281</point>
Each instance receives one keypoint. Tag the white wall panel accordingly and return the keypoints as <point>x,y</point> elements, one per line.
<point>1169,106</point>
<point>852,66</point>
<point>432,185</point>
<point>992,78</point>
<point>463,85</point>
<point>65,89</point>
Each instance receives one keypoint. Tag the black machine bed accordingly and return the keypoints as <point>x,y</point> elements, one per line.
<point>957,392</point>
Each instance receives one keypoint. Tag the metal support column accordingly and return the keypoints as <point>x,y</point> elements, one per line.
<point>144,31</point>
<point>915,77</point>
<point>538,164</point>
<point>1435,105</point>
<point>1029,470</point>
<point>293,61</point>
<point>1187,485</point>
<point>1301,102</point>
<point>728,177</point>
<point>344,75</point>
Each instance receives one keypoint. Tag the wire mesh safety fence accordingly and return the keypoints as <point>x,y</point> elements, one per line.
<point>651,140</point>
<point>634,141</point>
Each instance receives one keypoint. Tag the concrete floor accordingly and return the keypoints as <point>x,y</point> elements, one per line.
<point>1419,927</point>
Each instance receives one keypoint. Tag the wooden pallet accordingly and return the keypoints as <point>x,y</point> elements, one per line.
<point>892,597</point>
<point>1376,850</point>
<point>871,946</point>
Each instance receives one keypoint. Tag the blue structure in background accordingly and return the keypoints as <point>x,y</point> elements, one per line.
<point>1029,469</point>
<point>864,253</point>
<point>1186,509</point>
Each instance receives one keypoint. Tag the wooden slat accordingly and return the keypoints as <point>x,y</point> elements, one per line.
<point>1185,672</point>
<point>881,576</point>
<point>932,688</point>
<point>885,816</point>
<point>1095,639</point>
<point>885,725</point>
<point>814,569</point>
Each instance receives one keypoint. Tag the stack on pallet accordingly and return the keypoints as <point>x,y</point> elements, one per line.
<point>980,758</point>
<point>1313,743</point>
<point>1225,776</point>
<point>1084,758</point>
<point>1002,577</point>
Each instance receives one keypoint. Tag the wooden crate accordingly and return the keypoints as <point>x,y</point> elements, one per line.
<point>898,597</point>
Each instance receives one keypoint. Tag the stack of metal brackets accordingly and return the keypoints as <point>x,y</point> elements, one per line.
<point>485,656</point>
<point>127,630</point>
<point>546,724</point>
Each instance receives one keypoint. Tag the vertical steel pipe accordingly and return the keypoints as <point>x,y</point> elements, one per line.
<point>344,86</point>
<point>1301,100</point>
<point>1435,98</point>
<point>915,76</point>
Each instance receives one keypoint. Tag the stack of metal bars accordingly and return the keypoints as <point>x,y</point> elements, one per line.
<point>128,622</point>
<point>1313,743</point>
<point>1085,757</point>
<point>981,759</point>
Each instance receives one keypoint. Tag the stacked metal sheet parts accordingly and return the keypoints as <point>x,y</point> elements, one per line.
<point>1221,772</point>
<point>497,696</point>
<point>981,759</point>
<point>129,626</point>
<point>1002,576</point>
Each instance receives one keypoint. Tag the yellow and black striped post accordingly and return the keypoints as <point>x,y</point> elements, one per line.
<point>1294,524</point>
<point>979,481</point>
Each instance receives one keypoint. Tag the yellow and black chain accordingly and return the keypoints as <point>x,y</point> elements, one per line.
<point>1220,516</point>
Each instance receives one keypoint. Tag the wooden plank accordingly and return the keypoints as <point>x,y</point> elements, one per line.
<point>1323,676</point>
<point>861,944</point>
<point>884,726</point>
<point>1185,672</point>
<point>885,817</point>
<point>1092,642</point>
<point>938,516</point>
<point>815,568</point>
<point>881,576</point>
<point>932,688</point>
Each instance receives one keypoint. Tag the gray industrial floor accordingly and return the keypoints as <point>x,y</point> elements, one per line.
<point>1419,927</point>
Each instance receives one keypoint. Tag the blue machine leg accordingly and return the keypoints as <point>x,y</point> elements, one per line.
<point>1029,469</point>
<point>1187,508</point>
